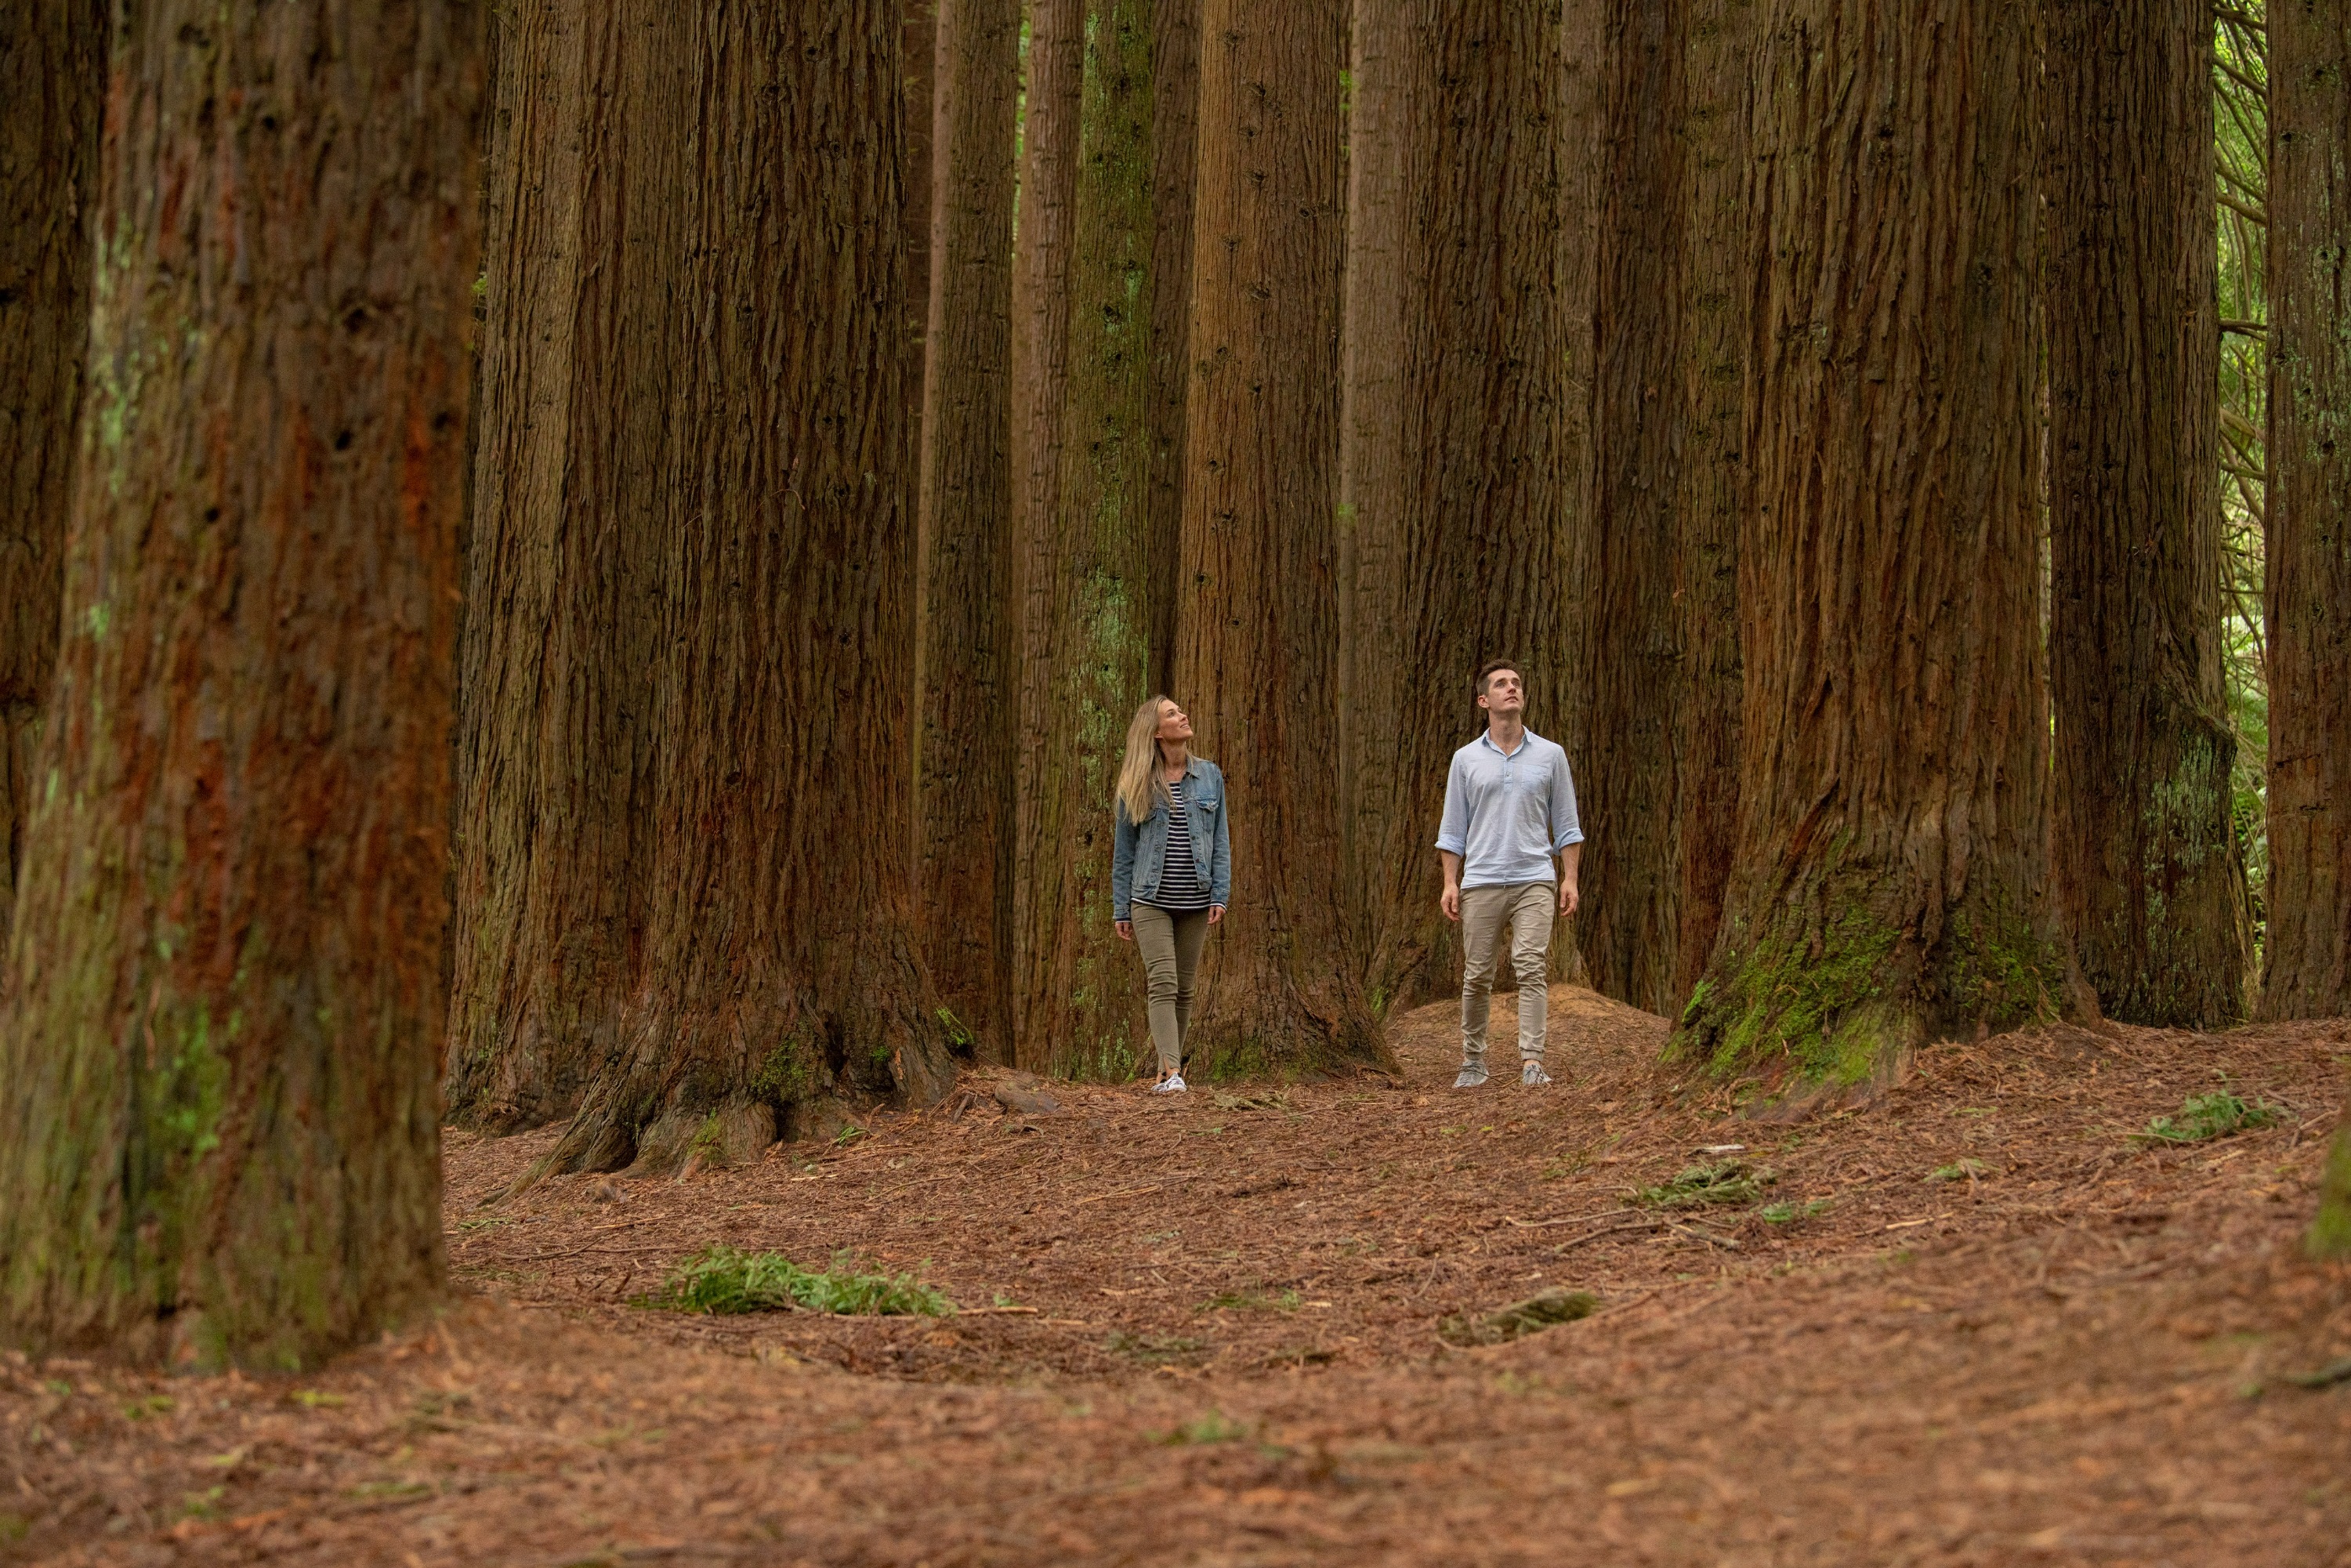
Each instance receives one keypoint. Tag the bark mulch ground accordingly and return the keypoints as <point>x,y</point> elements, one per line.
<point>1973,1322</point>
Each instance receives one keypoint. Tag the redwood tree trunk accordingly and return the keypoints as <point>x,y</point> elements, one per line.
<point>2148,874</point>
<point>1255,657</point>
<point>1457,344</point>
<point>1093,385</point>
<point>964,877</point>
<point>1632,679</point>
<point>1890,881</point>
<point>554,729</point>
<point>2308,949</point>
<point>223,1017</point>
<point>52,88</point>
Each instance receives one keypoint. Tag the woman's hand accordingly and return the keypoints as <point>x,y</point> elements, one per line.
<point>1215,913</point>
<point>1126,929</point>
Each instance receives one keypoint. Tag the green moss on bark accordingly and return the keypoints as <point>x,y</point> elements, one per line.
<point>2330,1233</point>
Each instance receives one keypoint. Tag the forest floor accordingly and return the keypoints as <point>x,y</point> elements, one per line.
<point>1208,1329</point>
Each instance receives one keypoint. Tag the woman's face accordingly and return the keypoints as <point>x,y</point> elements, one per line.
<point>1173,724</point>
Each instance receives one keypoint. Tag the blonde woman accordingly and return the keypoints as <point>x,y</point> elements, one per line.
<point>1171,868</point>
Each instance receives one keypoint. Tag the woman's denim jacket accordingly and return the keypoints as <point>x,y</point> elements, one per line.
<point>1140,853</point>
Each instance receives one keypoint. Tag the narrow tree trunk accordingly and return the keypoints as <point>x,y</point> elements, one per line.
<point>224,1014</point>
<point>1631,656</point>
<point>969,691</point>
<point>52,88</point>
<point>1255,653</point>
<point>1719,57</point>
<point>1094,383</point>
<point>1460,347</point>
<point>777,960</point>
<point>1581,159</point>
<point>2308,611</point>
<point>2148,874</point>
<point>554,733</point>
<point>1890,881</point>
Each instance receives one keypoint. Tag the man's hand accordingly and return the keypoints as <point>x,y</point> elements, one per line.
<point>1568,898</point>
<point>1451,902</point>
<point>1215,913</point>
<point>1126,929</point>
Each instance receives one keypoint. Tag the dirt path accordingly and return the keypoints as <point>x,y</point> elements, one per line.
<point>1206,1331</point>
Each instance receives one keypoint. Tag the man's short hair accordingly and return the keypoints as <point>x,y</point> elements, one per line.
<point>1486,672</point>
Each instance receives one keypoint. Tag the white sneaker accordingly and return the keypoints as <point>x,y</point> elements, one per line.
<point>1473,1076</point>
<point>1533,1076</point>
<point>1172,1085</point>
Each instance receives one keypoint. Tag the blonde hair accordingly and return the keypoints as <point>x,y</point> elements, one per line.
<point>1140,787</point>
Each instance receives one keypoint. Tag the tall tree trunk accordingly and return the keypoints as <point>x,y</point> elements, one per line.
<point>1633,685</point>
<point>1175,136</point>
<point>554,731</point>
<point>2148,874</point>
<point>777,959</point>
<point>1719,57</point>
<point>224,1014</point>
<point>1890,881</point>
<point>969,695</point>
<point>1255,655</point>
<point>1094,381</point>
<point>2308,611</point>
<point>1581,159</point>
<point>1459,342</point>
<point>52,88</point>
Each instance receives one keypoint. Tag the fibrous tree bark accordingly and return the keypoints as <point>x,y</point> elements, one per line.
<point>1717,58</point>
<point>225,989</point>
<point>52,87</point>
<point>555,724</point>
<point>969,693</point>
<point>1890,878</point>
<point>2307,954</point>
<point>1096,381</point>
<point>776,962</point>
<point>2149,873</point>
<point>1255,657</point>
<point>1451,463</point>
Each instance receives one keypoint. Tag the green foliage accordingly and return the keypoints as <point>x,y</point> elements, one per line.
<point>2330,1234</point>
<point>728,1279</point>
<point>788,1073</point>
<point>1959,1170</point>
<point>1213,1427</point>
<point>1730,1182</point>
<point>1789,1214</point>
<point>2216,1115</point>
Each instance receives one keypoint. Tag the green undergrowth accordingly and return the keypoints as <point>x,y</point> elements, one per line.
<point>1789,1214</point>
<point>728,1279</point>
<point>2219,1114</point>
<point>1730,1182</point>
<point>2330,1233</point>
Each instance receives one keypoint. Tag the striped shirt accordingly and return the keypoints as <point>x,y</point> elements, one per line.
<point>1180,892</point>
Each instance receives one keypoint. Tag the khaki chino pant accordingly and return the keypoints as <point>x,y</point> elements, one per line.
<point>1170,945</point>
<point>1528,908</point>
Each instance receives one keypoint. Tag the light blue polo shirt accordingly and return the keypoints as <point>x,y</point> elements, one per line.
<point>1507,813</point>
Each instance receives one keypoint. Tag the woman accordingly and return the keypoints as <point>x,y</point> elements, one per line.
<point>1171,870</point>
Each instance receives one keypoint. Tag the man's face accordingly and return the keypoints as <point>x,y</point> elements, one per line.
<point>1505,694</point>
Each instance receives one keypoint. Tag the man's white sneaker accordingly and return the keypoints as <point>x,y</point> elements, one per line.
<point>1533,1076</point>
<point>1172,1085</point>
<point>1473,1076</point>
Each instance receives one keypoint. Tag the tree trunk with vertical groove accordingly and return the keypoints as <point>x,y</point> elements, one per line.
<point>777,962</point>
<point>554,730</point>
<point>52,90</point>
<point>1890,883</point>
<point>1631,654</point>
<point>1095,381</point>
<point>1457,348</point>
<point>2148,874</point>
<point>2308,947</point>
<point>225,992</point>
<point>969,689</point>
<point>1255,653</point>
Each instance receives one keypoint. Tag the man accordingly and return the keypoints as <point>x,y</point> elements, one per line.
<point>1509,807</point>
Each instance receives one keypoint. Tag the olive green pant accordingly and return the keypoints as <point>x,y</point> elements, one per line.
<point>1170,945</point>
<point>1528,908</point>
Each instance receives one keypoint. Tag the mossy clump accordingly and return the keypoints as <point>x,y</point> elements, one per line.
<point>2217,1115</point>
<point>1730,1181</point>
<point>789,1072</point>
<point>728,1279</point>
<point>1543,1310</point>
<point>1818,1004</point>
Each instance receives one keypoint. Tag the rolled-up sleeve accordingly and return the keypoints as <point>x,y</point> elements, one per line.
<point>1453,830</point>
<point>1565,829</point>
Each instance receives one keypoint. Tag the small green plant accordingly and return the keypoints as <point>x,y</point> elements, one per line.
<point>1213,1427</point>
<point>317,1400</point>
<point>1788,1213</point>
<point>1732,1181</point>
<point>849,1133</point>
<point>728,1279</point>
<point>2219,1114</point>
<point>1959,1170</point>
